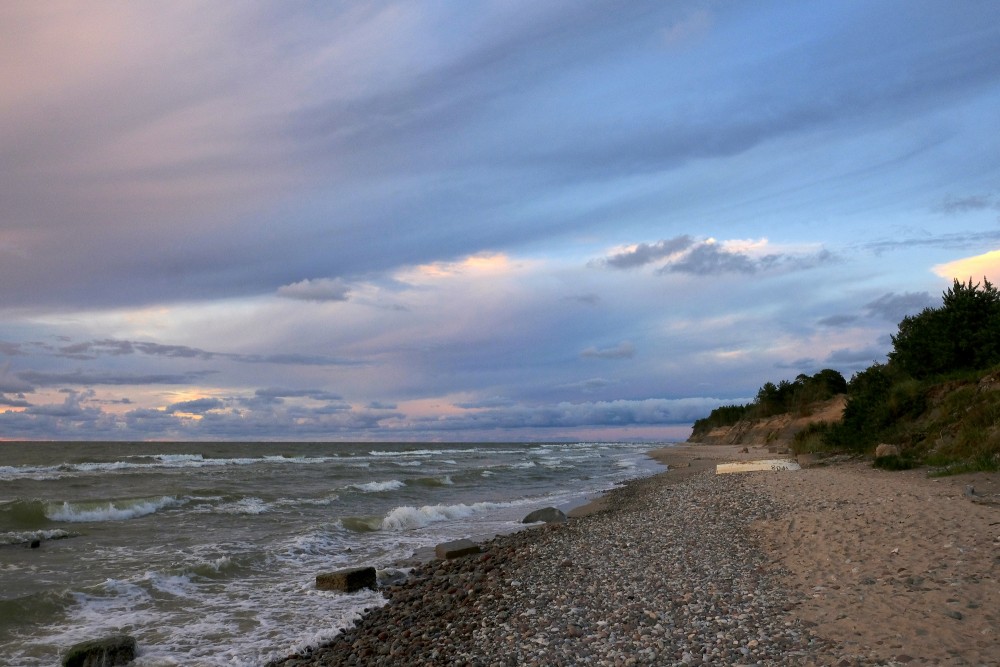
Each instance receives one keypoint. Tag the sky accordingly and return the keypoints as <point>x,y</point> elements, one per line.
<point>474,221</point>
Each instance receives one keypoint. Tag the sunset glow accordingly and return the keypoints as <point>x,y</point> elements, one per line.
<point>501,221</point>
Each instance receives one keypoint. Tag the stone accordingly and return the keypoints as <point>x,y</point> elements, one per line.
<point>107,652</point>
<point>35,544</point>
<point>347,580</point>
<point>886,450</point>
<point>456,549</point>
<point>390,576</point>
<point>546,514</point>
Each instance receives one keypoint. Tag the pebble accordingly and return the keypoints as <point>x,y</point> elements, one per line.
<point>668,574</point>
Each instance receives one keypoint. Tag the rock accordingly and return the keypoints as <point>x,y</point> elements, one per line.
<point>546,514</point>
<point>970,490</point>
<point>456,549</point>
<point>35,544</point>
<point>745,450</point>
<point>886,450</point>
<point>390,577</point>
<point>107,652</point>
<point>348,580</point>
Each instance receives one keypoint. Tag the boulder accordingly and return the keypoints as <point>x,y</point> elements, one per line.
<point>107,652</point>
<point>456,549</point>
<point>390,576</point>
<point>886,450</point>
<point>546,514</point>
<point>348,580</point>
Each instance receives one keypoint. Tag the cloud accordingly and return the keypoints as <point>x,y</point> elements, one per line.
<point>957,205</point>
<point>894,307</point>
<point>10,349</point>
<point>975,268</point>
<point>955,240</point>
<point>589,385</point>
<point>624,350</point>
<point>838,320</point>
<point>856,359</point>
<point>684,254</point>
<point>116,348</point>
<point>316,394</point>
<point>645,253</point>
<point>568,415</point>
<point>710,258</point>
<point>69,408</point>
<point>18,402</point>
<point>319,289</point>
<point>13,384</point>
<point>81,378</point>
<point>196,406</point>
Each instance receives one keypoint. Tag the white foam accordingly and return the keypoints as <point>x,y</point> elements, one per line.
<point>249,506</point>
<point>374,487</point>
<point>26,536</point>
<point>111,511</point>
<point>408,517</point>
<point>178,585</point>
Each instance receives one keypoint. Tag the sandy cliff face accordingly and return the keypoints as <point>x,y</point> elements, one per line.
<point>777,431</point>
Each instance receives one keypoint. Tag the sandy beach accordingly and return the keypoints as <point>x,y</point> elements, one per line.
<point>833,565</point>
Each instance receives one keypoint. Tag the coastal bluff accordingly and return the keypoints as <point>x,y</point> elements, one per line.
<point>777,432</point>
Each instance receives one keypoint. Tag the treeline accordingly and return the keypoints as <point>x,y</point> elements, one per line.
<point>774,399</point>
<point>926,399</point>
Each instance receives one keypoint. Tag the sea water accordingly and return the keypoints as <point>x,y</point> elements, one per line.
<point>207,553</point>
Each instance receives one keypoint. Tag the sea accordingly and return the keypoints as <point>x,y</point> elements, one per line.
<point>207,553</point>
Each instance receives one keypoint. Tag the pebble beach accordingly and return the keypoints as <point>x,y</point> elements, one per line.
<point>690,568</point>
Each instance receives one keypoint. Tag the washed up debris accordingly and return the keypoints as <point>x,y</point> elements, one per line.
<point>752,466</point>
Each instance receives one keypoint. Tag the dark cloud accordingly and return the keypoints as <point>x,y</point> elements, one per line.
<point>316,394</point>
<point>712,259</point>
<point>894,307</point>
<point>379,405</point>
<point>12,383</point>
<point>491,402</point>
<point>196,406</point>
<point>294,359</point>
<point>91,350</point>
<point>10,349</point>
<point>81,378</point>
<point>589,385</point>
<point>955,205</point>
<point>18,402</point>
<point>646,253</point>
<point>320,289</point>
<point>854,359</point>
<point>568,415</point>
<point>589,299</point>
<point>70,408</point>
<point>802,365</point>
<point>837,321</point>
<point>624,350</point>
<point>964,240</point>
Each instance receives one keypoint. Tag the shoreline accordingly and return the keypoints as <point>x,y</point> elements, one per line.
<point>686,567</point>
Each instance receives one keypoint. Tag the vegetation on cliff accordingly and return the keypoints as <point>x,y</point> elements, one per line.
<point>937,398</point>
<point>796,397</point>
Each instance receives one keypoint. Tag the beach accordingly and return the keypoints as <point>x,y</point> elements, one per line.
<point>833,565</point>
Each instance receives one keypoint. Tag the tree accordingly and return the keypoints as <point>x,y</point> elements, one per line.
<point>963,334</point>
